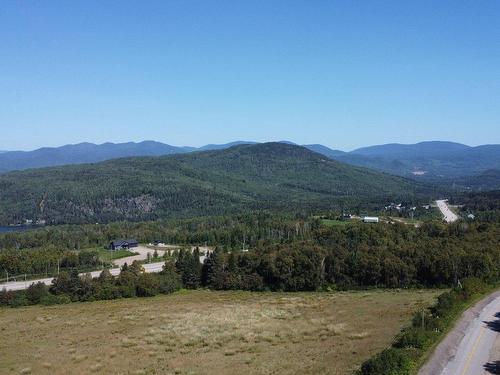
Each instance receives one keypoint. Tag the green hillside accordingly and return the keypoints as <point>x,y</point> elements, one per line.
<point>245,177</point>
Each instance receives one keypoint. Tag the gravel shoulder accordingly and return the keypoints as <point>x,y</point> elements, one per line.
<point>446,351</point>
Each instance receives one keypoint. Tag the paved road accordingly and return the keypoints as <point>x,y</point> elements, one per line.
<point>448,215</point>
<point>472,347</point>
<point>142,250</point>
<point>20,285</point>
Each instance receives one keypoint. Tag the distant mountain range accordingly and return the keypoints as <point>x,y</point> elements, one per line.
<point>238,179</point>
<point>428,161</point>
<point>91,153</point>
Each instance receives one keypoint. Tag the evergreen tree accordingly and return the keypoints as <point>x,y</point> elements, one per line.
<point>170,280</point>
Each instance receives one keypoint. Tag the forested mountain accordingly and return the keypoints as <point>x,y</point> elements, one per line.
<point>422,149</point>
<point>426,160</point>
<point>224,145</point>
<point>244,177</point>
<point>83,153</point>
<point>91,153</point>
<point>487,180</point>
<point>325,150</point>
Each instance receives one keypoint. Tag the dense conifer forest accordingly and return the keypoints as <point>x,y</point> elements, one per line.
<point>284,252</point>
<point>271,176</point>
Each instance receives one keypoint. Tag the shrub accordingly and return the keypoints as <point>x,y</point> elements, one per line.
<point>391,361</point>
<point>147,285</point>
<point>62,284</point>
<point>52,299</point>
<point>431,322</point>
<point>414,337</point>
<point>107,291</point>
<point>6,297</point>
<point>472,286</point>
<point>35,292</point>
<point>19,299</point>
<point>253,282</point>
<point>445,303</point>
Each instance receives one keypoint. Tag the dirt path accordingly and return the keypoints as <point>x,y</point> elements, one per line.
<point>143,254</point>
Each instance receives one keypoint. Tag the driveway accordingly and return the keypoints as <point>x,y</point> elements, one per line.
<point>143,254</point>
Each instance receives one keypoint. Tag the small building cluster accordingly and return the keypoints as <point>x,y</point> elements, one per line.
<point>399,207</point>
<point>123,244</point>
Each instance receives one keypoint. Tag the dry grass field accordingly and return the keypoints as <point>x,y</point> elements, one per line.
<point>204,332</point>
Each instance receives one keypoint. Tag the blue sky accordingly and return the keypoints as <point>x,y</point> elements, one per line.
<point>344,74</point>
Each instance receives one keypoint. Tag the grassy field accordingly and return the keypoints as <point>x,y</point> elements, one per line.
<point>108,256</point>
<point>204,332</point>
<point>331,222</point>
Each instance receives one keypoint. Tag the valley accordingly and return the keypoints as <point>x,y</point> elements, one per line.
<point>249,187</point>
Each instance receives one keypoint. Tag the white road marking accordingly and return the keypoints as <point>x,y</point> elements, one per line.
<point>473,352</point>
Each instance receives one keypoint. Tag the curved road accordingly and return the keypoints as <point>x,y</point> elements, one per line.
<point>473,346</point>
<point>20,285</point>
<point>142,254</point>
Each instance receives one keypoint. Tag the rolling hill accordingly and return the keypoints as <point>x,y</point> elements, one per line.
<point>427,161</point>
<point>83,153</point>
<point>237,179</point>
<point>487,180</point>
<point>91,153</point>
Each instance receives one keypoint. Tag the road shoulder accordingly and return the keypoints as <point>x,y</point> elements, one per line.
<point>447,348</point>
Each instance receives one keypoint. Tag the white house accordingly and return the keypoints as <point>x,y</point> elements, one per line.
<point>370,219</point>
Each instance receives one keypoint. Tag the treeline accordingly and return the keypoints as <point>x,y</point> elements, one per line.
<point>337,258</point>
<point>411,345</point>
<point>46,261</point>
<point>70,287</point>
<point>298,254</point>
<point>484,206</point>
<point>362,256</point>
<point>230,232</point>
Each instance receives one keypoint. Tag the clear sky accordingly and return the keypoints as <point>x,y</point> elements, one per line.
<point>341,73</point>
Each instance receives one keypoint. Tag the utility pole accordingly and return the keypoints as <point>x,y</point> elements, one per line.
<point>7,272</point>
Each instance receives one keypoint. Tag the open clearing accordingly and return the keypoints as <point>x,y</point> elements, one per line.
<point>205,332</point>
<point>333,223</point>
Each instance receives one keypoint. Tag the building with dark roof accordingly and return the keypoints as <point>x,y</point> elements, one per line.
<point>123,244</point>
